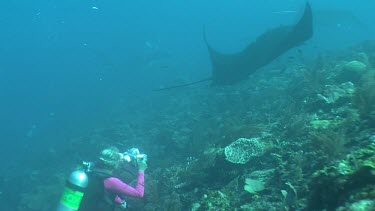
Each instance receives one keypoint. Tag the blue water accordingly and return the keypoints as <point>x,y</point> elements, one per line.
<point>67,67</point>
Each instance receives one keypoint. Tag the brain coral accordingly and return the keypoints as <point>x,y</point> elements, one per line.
<point>241,150</point>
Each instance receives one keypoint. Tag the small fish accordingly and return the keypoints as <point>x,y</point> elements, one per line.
<point>94,8</point>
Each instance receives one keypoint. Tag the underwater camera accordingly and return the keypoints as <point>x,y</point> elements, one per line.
<point>133,156</point>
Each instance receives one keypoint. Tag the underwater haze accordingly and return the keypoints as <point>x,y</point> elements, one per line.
<point>79,76</point>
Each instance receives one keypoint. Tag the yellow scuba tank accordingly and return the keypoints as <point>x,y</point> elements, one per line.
<point>74,191</point>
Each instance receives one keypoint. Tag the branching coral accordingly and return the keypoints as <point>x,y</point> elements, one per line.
<point>365,97</point>
<point>330,144</point>
<point>348,182</point>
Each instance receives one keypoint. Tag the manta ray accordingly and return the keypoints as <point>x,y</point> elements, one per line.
<point>228,69</point>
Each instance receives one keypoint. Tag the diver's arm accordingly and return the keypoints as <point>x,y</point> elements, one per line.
<point>117,186</point>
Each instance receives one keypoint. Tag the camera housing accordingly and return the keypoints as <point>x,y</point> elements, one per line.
<point>134,156</point>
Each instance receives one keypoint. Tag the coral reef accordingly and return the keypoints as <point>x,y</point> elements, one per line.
<point>314,147</point>
<point>243,149</point>
<point>350,181</point>
<point>352,71</point>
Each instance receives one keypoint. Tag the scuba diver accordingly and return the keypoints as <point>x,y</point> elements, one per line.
<point>105,191</point>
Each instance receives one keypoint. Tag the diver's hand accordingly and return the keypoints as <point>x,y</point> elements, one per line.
<point>142,165</point>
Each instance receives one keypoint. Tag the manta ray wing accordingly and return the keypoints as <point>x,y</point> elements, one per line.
<point>231,68</point>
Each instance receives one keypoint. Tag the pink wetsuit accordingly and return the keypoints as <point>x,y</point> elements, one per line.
<point>115,185</point>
